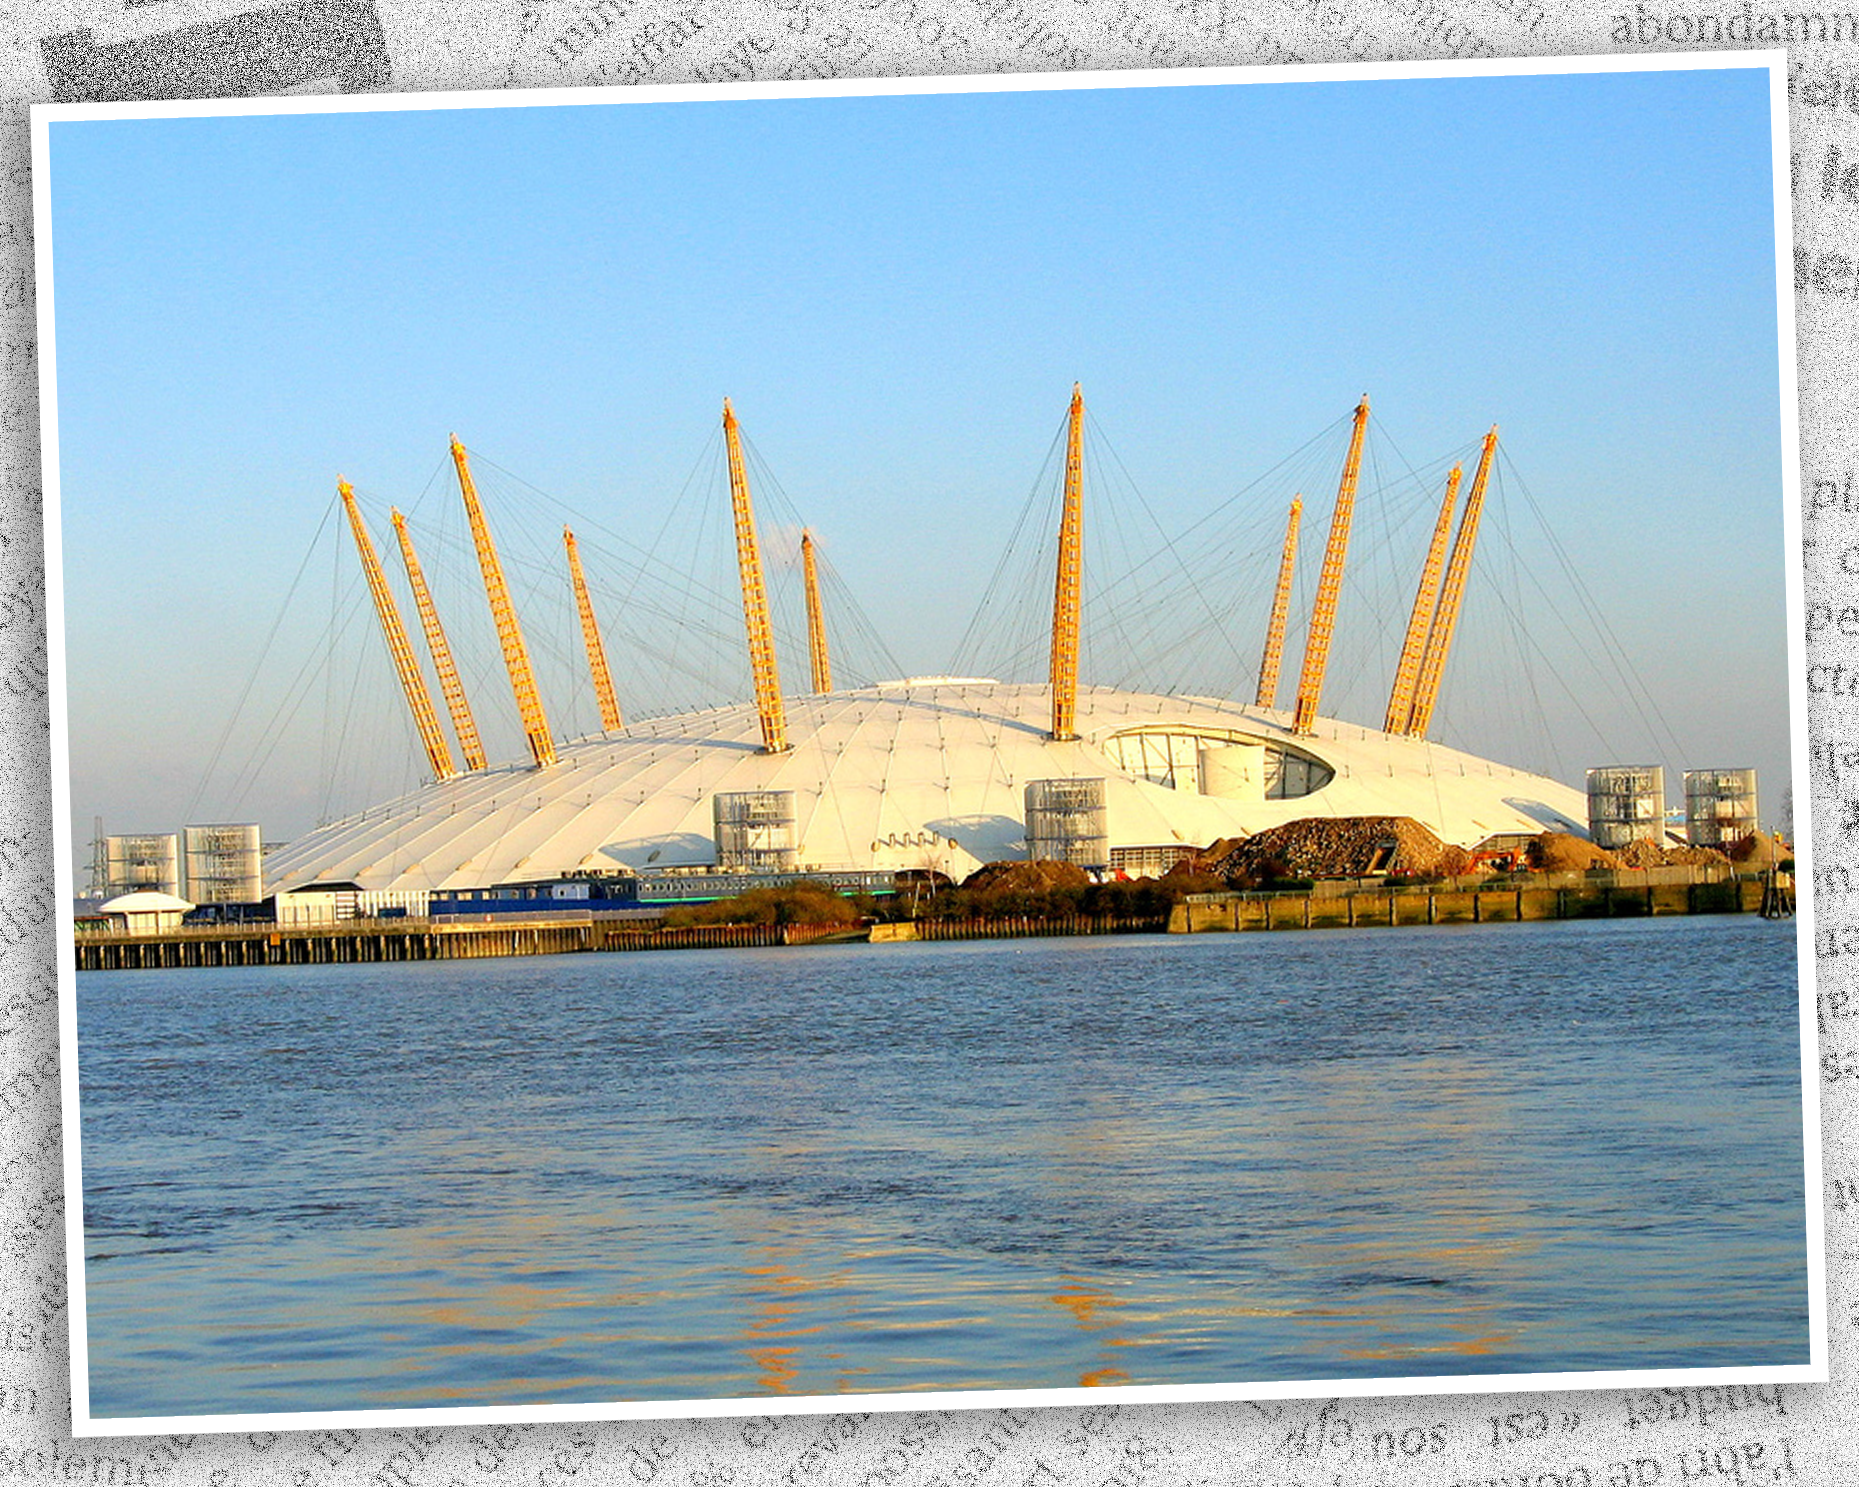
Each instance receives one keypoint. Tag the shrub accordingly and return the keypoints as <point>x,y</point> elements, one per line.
<point>791,903</point>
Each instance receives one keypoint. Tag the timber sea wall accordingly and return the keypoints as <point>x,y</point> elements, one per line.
<point>1606,895</point>
<point>372,941</point>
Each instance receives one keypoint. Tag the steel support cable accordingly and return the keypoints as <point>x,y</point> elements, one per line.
<point>646,557</point>
<point>1216,550</point>
<point>1170,547</point>
<point>537,596</point>
<point>649,572</point>
<point>439,467</point>
<point>317,665</point>
<point>780,519</point>
<point>264,650</point>
<point>637,604</point>
<point>325,769</point>
<point>638,645</point>
<point>978,619</point>
<point>368,788</point>
<point>851,611</point>
<point>1526,633</point>
<point>1140,621</point>
<point>1635,689</point>
<point>1224,507</point>
<point>833,585</point>
<point>686,634</point>
<point>712,534</point>
<point>1109,523</point>
<point>1545,744</point>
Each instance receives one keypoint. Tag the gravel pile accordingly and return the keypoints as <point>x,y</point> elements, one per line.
<point>1335,847</point>
<point>1026,877</point>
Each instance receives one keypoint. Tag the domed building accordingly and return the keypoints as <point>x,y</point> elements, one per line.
<point>926,773</point>
<point>931,773</point>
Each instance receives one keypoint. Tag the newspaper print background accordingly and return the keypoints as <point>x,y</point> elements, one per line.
<point>69,50</point>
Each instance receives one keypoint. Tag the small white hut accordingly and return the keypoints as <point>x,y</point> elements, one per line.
<point>146,912</point>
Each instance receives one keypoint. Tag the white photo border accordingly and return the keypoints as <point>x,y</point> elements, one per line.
<point>43,116</point>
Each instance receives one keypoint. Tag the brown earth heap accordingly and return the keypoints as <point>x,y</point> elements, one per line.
<point>1334,847</point>
<point>1026,877</point>
<point>1643,852</point>
<point>1558,852</point>
<point>1759,850</point>
<point>1650,854</point>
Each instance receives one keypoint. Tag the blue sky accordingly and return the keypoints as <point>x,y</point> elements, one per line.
<point>898,293</point>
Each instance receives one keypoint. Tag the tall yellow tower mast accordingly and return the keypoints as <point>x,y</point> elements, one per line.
<point>768,701</point>
<point>590,637</point>
<point>1329,583</point>
<point>1426,599</point>
<point>1281,607</point>
<point>1439,638</point>
<point>449,684</point>
<point>509,632</point>
<point>817,658</point>
<point>1068,591</point>
<point>411,682</point>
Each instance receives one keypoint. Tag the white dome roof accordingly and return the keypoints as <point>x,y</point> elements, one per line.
<point>922,773</point>
<point>146,901</point>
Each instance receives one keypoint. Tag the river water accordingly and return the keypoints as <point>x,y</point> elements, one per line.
<point>1009,1164</point>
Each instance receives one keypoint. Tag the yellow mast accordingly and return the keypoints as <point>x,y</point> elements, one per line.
<point>768,701</point>
<point>1281,606</point>
<point>1068,591</point>
<point>1439,638</point>
<point>1329,583</point>
<point>817,657</point>
<point>509,633</point>
<point>590,635</point>
<point>411,682</point>
<point>449,684</point>
<point>1426,598</point>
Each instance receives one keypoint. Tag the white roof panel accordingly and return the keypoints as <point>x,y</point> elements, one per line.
<point>889,777</point>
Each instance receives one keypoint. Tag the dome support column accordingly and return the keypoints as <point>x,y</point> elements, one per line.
<point>1067,598</point>
<point>768,703</point>
<point>1329,583</point>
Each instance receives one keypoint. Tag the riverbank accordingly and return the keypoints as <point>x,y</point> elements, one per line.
<point>1330,905</point>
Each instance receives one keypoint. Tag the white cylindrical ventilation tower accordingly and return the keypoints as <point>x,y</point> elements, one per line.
<point>1233,771</point>
<point>220,864</point>
<point>755,831</point>
<point>1066,821</point>
<point>149,862</point>
<point>1720,806</point>
<point>1626,803</point>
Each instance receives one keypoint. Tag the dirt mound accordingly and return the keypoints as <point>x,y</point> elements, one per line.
<point>1759,850</point>
<point>1209,858</point>
<point>1558,852</point>
<point>1693,856</point>
<point>1187,876</point>
<point>1335,847</point>
<point>1651,854</point>
<point>1025,877</point>
<point>1640,852</point>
